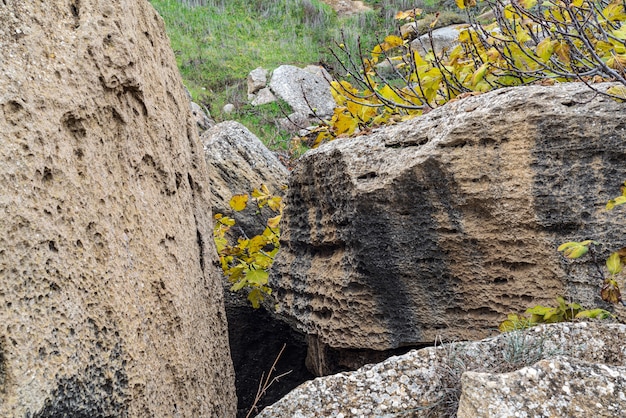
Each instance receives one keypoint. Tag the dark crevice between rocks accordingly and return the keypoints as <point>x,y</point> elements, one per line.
<point>256,337</point>
<point>325,360</point>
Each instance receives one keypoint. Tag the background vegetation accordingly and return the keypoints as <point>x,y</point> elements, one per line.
<point>218,42</point>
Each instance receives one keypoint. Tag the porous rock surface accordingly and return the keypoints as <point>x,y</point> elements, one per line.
<point>110,305</point>
<point>427,382</point>
<point>561,386</point>
<point>444,224</point>
<point>238,163</point>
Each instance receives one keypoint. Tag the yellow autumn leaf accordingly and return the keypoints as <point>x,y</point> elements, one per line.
<point>346,123</point>
<point>392,41</point>
<point>562,50</point>
<point>408,14</point>
<point>239,202</point>
<point>522,36</point>
<point>620,200</point>
<point>614,12</point>
<point>389,94</point>
<point>620,33</point>
<point>256,243</point>
<point>528,4</point>
<point>575,249</point>
<point>262,193</point>
<point>275,203</point>
<point>273,222</point>
<point>460,4</point>
<point>614,263</point>
<point>510,13</point>
<point>479,74</point>
<point>545,49</point>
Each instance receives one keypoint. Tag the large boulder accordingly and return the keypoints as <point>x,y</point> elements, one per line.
<point>440,39</point>
<point>442,225</point>
<point>561,386</point>
<point>581,364</point>
<point>110,303</point>
<point>238,163</point>
<point>307,91</point>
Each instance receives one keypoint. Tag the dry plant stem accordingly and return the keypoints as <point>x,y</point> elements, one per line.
<point>266,382</point>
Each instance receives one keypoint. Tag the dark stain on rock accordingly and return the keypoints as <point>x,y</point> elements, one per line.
<point>100,391</point>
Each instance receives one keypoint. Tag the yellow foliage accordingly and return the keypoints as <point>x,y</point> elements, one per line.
<point>246,263</point>
<point>525,45</point>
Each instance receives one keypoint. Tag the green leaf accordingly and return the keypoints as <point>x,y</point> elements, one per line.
<point>614,263</point>
<point>539,310</point>
<point>575,249</point>
<point>256,297</point>
<point>257,277</point>
<point>594,313</point>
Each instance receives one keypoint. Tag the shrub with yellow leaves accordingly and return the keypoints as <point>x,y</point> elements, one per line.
<point>529,42</point>
<point>246,264</point>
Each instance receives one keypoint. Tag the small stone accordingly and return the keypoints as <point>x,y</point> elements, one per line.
<point>228,108</point>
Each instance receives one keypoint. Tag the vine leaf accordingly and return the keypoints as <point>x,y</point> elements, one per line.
<point>575,249</point>
<point>239,202</point>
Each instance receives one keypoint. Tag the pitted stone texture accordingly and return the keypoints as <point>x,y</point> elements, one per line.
<point>561,387</point>
<point>238,163</point>
<point>307,92</point>
<point>419,383</point>
<point>444,224</point>
<point>110,305</point>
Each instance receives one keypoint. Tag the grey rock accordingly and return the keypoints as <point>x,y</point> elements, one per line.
<point>202,118</point>
<point>429,382</point>
<point>228,108</point>
<point>561,386</point>
<point>257,80</point>
<point>264,96</point>
<point>442,225</point>
<point>238,163</point>
<point>442,38</point>
<point>307,93</point>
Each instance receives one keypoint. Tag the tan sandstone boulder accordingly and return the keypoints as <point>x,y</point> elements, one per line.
<point>442,225</point>
<point>110,305</point>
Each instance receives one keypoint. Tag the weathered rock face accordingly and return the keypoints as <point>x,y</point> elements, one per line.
<point>558,387</point>
<point>238,163</point>
<point>446,37</point>
<point>588,360</point>
<point>109,303</point>
<point>306,91</point>
<point>442,225</point>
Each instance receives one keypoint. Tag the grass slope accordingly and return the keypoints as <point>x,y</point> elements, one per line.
<point>218,42</point>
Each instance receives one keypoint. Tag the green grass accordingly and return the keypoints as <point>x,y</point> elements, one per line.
<point>218,42</point>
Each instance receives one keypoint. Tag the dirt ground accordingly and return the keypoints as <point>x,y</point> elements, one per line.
<point>347,7</point>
